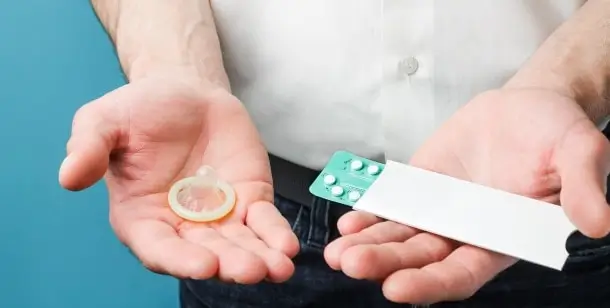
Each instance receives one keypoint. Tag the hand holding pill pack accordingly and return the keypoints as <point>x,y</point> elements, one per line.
<point>510,224</point>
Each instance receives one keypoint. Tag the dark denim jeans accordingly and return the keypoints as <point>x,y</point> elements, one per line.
<point>584,283</point>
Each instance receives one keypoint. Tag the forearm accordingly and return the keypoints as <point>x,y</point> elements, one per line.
<point>575,61</point>
<point>164,38</point>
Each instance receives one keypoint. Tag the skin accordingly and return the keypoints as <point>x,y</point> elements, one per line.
<point>177,113</point>
<point>560,158</point>
<point>536,137</point>
<point>122,137</point>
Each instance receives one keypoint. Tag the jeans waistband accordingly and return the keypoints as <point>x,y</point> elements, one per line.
<point>292,181</point>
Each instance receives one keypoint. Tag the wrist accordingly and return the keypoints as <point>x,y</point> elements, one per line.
<point>570,82</point>
<point>573,61</point>
<point>163,39</point>
<point>147,68</point>
<point>567,68</point>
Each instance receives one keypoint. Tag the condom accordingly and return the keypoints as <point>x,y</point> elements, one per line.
<point>203,197</point>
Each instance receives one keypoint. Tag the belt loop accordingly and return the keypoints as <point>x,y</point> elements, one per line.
<point>327,226</point>
<point>319,232</point>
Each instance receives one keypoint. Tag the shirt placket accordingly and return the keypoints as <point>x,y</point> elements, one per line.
<point>407,94</point>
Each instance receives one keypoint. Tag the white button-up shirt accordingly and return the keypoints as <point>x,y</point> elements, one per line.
<point>374,77</point>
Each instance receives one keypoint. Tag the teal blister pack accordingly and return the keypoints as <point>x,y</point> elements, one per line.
<point>346,178</point>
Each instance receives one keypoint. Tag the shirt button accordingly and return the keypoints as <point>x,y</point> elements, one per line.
<point>408,66</point>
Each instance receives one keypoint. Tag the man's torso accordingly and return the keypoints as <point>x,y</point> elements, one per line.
<point>370,76</point>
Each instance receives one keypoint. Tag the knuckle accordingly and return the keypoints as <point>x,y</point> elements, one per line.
<point>586,140</point>
<point>81,114</point>
<point>79,117</point>
<point>462,285</point>
<point>436,249</point>
<point>82,117</point>
<point>596,146</point>
<point>461,290</point>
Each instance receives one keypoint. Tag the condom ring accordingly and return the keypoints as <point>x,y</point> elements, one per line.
<point>190,197</point>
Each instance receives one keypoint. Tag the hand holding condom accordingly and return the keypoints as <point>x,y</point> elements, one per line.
<point>151,135</point>
<point>203,197</point>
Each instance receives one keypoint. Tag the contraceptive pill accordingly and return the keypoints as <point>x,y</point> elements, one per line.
<point>329,179</point>
<point>346,178</point>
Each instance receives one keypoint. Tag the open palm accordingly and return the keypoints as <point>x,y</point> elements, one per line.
<point>530,142</point>
<point>145,136</point>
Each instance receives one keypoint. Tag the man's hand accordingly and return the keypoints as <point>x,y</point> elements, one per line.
<point>531,142</point>
<point>152,132</point>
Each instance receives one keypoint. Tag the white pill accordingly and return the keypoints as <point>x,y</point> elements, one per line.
<point>336,191</point>
<point>330,179</point>
<point>353,195</point>
<point>372,169</point>
<point>356,165</point>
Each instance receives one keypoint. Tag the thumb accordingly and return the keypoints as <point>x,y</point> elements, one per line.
<point>583,164</point>
<point>95,133</point>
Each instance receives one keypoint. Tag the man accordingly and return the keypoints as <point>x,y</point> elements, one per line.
<point>383,79</point>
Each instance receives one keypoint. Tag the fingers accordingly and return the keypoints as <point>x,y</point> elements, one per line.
<point>356,221</point>
<point>383,232</point>
<point>457,277</point>
<point>584,161</point>
<point>235,264</point>
<point>230,252</point>
<point>279,266</point>
<point>161,250</point>
<point>272,228</point>
<point>94,136</point>
<point>248,253</point>
<point>376,262</point>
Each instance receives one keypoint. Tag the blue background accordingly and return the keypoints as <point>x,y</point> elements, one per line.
<point>57,247</point>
